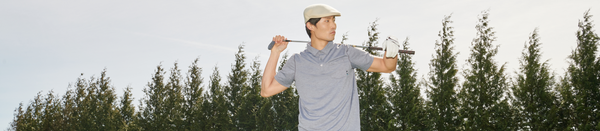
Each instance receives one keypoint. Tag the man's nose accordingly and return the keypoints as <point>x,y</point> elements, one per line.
<point>334,25</point>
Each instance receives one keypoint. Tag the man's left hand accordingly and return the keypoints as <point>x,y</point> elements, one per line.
<point>391,46</point>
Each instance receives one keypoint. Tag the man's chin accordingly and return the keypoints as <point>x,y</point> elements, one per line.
<point>331,39</point>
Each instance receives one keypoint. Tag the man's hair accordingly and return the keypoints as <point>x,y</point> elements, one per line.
<point>312,21</point>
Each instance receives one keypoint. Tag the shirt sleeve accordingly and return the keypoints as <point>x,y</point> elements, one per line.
<point>359,59</point>
<point>287,74</point>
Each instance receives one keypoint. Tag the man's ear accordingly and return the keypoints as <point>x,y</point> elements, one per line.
<point>310,26</point>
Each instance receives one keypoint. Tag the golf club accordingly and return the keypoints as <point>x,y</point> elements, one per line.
<point>370,47</point>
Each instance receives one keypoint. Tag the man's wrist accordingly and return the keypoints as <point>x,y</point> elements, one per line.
<point>276,53</point>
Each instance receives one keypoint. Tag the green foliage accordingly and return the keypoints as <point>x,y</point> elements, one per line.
<point>163,108</point>
<point>443,82</point>
<point>217,111</point>
<point>195,118</point>
<point>534,100</point>
<point>91,105</point>
<point>249,110</point>
<point>237,82</point>
<point>41,114</point>
<point>405,96</point>
<point>127,111</point>
<point>374,108</point>
<point>583,73</point>
<point>481,98</point>
<point>566,105</point>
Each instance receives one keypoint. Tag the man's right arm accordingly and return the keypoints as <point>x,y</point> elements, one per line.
<point>270,86</point>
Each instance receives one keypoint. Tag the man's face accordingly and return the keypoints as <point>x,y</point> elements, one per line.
<point>325,29</point>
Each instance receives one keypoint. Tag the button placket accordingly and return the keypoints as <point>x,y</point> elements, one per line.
<point>320,55</point>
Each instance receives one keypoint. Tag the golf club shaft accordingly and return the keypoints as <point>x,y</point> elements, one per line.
<point>370,47</point>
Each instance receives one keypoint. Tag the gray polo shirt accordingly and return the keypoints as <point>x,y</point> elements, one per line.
<point>326,84</point>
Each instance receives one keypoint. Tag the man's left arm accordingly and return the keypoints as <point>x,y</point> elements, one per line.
<point>387,64</point>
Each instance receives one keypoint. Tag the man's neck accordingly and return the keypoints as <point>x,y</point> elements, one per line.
<point>318,43</point>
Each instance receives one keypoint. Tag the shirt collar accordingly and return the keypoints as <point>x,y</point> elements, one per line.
<point>325,50</point>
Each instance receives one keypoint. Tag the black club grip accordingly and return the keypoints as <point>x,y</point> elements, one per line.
<point>271,45</point>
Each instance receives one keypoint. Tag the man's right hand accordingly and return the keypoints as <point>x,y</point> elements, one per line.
<point>269,85</point>
<point>280,44</point>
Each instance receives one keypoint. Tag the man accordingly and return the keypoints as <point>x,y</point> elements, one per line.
<point>324,73</point>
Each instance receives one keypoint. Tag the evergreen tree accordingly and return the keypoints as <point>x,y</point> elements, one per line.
<point>107,114</point>
<point>236,84</point>
<point>583,72</point>
<point>153,114</point>
<point>405,96</point>
<point>18,122</point>
<point>164,103</point>
<point>216,109</point>
<point>127,111</point>
<point>485,83</point>
<point>69,110</point>
<point>195,118</point>
<point>29,118</point>
<point>532,90</point>
<point>249,111</point>
<point>374,108</point>
<point>566,106</point>
<point>88,105</point>
<point>265,117</point>
<point>174,102</point>
<point>51,116</point>
<point>443,82</point>
<point>41,114</point>
<point>92,105</point>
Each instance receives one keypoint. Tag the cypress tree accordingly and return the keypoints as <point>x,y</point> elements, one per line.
<point>153,115</point>
<point>583,72</point>
<point>532,90</point>
<point>69,109</point>
<point>174,101</point>
<point>127,111</point>
<point>266,115</point>
<point>217,112</point>
<point>30,118</point>
<point>485,83</point>
<point>90,106</point>
<point>443,82</point>
<point>405,96</point>
<point>107,112</point>
<point>194,117</point>
<point>18,122</point>
<point>43,113</point>
<point>249,111</point>
<point>236,84</point>
<point>566,104</point>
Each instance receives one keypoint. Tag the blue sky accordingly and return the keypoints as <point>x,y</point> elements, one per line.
<point>46,45</point>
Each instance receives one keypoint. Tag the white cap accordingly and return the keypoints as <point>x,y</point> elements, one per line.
<point>318,11</point>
